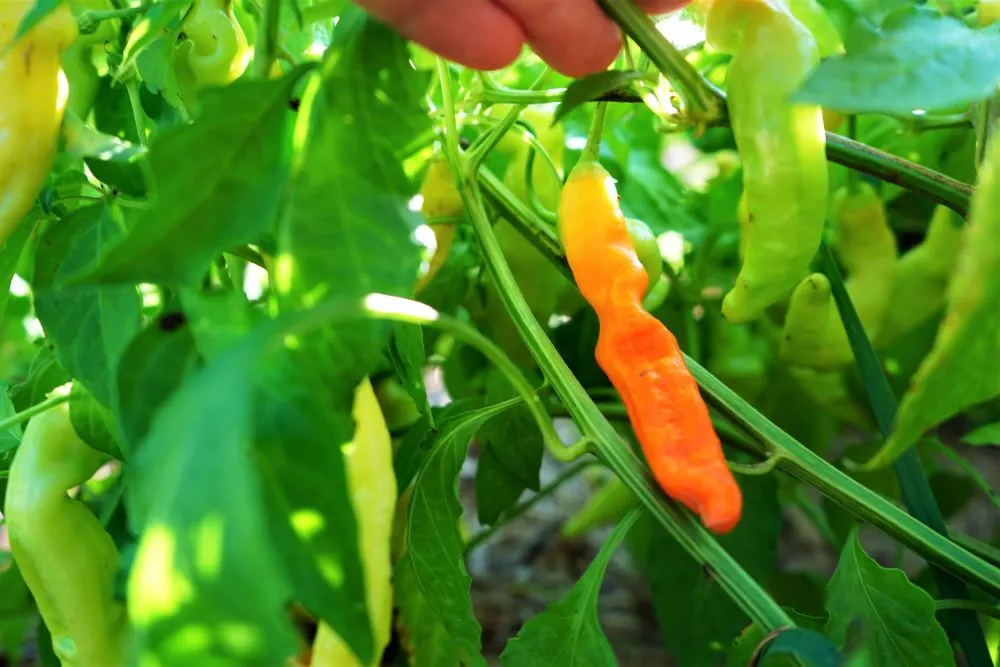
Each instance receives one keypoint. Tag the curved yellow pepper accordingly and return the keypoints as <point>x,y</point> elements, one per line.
<point>372,482</point>
<point>32,102</point>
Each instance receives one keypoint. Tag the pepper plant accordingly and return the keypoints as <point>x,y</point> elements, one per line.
<point>275,275</point>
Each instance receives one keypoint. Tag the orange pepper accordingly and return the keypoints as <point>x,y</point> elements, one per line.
<point>640,355</point>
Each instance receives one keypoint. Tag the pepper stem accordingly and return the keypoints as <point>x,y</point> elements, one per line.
<point>592,151</point>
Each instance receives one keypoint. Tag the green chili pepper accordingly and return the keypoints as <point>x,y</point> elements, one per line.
<point>782,146</point>
<point>68,560</point>
<point>814,333</point>
<point>921,278</point>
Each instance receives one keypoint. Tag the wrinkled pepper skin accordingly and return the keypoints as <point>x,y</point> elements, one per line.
<point>783,147</point>
<point>221,53</point>
<point>640,355</point>
<point>68,560</point>
<point>31,105</point>
<point>814,333</point>
<point>372,483</point>
<point>921,278</point>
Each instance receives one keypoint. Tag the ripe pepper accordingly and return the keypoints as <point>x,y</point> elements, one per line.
<point>814,333</point>
<point>921,278</point>
<point>68,560</point>
<point>640,355</point>
<point>221,53</point>
<point>372,482</point>
<point>782,146</point>
<point>31,106</point>
<point>442,201</point>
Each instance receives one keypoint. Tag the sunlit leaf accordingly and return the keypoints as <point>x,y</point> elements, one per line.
<point>921,62</point>
<point>90,326</point>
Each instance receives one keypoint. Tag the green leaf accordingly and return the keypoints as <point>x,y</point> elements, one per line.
<point>921,61</point>
<point>424,639</point>
<point>17,612</point>
<point>11,251</point>
<point>11,438</point>
<point>206,587</point>
<point>811,648</point>
<point>592,87</point>
<point>150,27</point>
<point>697,618</point>
<point>567,633</point>
<point>303,420</point>
<point>406,352</point>
<point>44,374</point>
<point>349,230</point>
<point>90,326</point>
<point>434,541</point>
<point>94,423</point>
<point>83,141</point>
<point>984,435</point>
<point>897,616</point>
<point>152,367</point>
<point>164,69</point>
<point>208,200</point>
<point>958,372</point>
<point>510,459</point>
<point>655,196</point>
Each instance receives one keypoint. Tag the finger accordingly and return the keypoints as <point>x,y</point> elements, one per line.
<point>662,6</point>
<point>474,33</point>
<point>574,37</point>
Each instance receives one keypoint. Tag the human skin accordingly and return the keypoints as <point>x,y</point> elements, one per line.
<point>575,37</point>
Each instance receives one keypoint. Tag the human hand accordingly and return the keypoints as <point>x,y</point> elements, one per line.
<point>574,36</point>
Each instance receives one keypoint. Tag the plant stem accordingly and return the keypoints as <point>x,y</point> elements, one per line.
<point>404,310</point>
<point>801,463</point>
<point>892,169</point>
<point>25,415</point>
<point>968,605</point>
<point>93,16</point>
<point>137,113</point>
<point>944,190</point>
<point>740,586</point>
<point>961,626</point>
<point>592,150</point>
<point>266,47</point>
<point>702,96</point>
